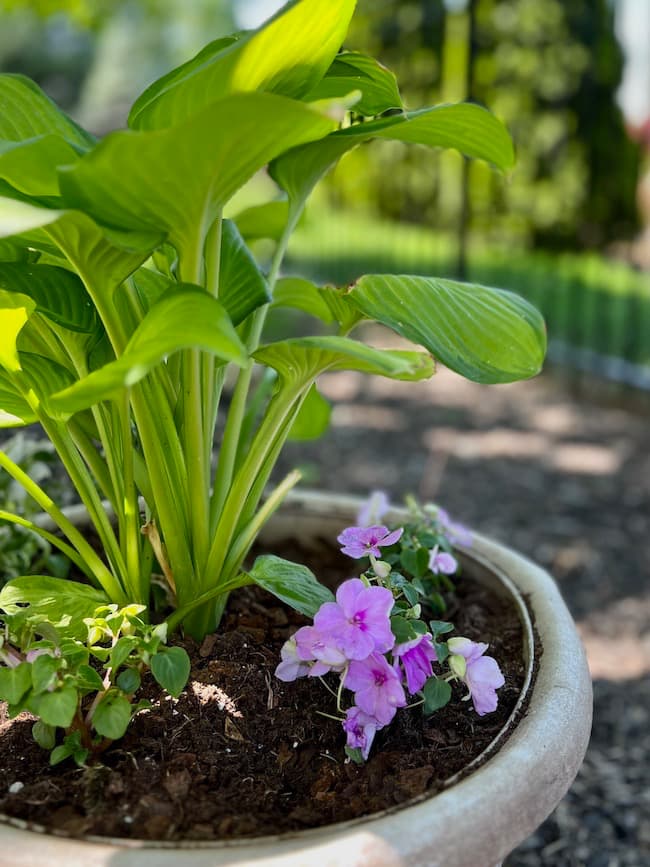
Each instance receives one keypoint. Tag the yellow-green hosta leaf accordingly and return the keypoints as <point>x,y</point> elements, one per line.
<point>352,70</point>
<point>300,360</point>
<point>15,311</point>
<point>263,221</point>
<point>301,294</point>
<point>177,180</point>
<point>486,335</point>
<point>186,317</point>
<point>472,130</point>
<point>287,55</point>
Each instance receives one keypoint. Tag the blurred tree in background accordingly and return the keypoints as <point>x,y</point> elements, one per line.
<point>550,70</point>
<point>95,56</point>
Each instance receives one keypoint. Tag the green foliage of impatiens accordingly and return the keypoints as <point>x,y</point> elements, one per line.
<point>127,303</point>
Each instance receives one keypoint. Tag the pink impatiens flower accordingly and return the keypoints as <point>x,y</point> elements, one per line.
<point>359,620</point>
<point>320,648</point>
<point>361,542</point>
<point>377,687</point>
<point>441,561</point>
<point>360,728</point>
<point>416,657</point>
<point>292,666</point>
<point>482,673</point>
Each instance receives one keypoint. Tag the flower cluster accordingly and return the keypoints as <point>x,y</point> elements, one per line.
<point>373,636</point>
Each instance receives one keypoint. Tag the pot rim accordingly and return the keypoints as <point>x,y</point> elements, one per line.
<point>550,703</point>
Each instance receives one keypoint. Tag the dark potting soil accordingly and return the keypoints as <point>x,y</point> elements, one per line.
<point>241,754</point>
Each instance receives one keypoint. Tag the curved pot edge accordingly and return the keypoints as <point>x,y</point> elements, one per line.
<point>548,744</point>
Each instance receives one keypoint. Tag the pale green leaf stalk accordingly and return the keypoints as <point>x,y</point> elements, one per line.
<point>133,315</point>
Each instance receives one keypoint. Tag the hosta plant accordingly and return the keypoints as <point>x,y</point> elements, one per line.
<point>128,302</point>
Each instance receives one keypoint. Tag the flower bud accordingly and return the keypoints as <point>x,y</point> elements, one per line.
<point>458,665</point>
<point>382,568</point>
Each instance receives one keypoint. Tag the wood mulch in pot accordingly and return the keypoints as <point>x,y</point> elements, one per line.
<point>241,754</point>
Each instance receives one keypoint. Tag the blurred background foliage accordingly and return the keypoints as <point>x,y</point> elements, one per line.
<point>550,69</point>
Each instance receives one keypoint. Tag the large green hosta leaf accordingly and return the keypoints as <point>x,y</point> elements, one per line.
<point>43,376</point>
<point>300,360</point>
<point>186,317</point>
<point>15,311</point>
<point>26,112</point>
<point>350,71</point>
<point>288,55</point>
<point>472,130</point>
<point>176,180</point>
<point>53,599</point>
<point>291,582</point>
<point>486,335</point>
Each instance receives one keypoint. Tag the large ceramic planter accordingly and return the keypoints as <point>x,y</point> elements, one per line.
<point>474,822</point>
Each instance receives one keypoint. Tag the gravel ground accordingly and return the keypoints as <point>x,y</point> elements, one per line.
<point>565,478</point>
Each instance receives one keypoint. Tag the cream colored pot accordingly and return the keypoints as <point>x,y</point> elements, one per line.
<point>474,822</point>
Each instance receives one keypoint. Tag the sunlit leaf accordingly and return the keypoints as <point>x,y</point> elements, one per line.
<point>288,55</point>
<point>486,335</point>
<point>52,599</point>
<point>15,310</point>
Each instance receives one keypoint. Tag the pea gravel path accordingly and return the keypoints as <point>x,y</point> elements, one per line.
<point>566,480</point>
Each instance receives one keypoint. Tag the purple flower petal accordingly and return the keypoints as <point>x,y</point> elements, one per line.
<point>360,728</point>
<point>373,509</point>
<point>377,687</point>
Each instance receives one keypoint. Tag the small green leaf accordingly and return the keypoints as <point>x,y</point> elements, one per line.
<point>421,562</point>
<point>291,582</point>
<point>440,627</point>
<point>409,561</point>
<point>410,593</point>
<point>44,735</point>
<point>87,679</point>
<point>354,754</point>
<point>45,670</point>
<point>129,680</point>
<point>437,693</point>
<point>71,746</point>
<point>486,335</point>
<point>350,71</point>
<point>122,650</point>
<point>112,715</point>
<point>56,708</point>
<point>441,649</point>
<point>171,668</point>
<point>313,417</point>
<point>15,683</point>
<point>402,630</point>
